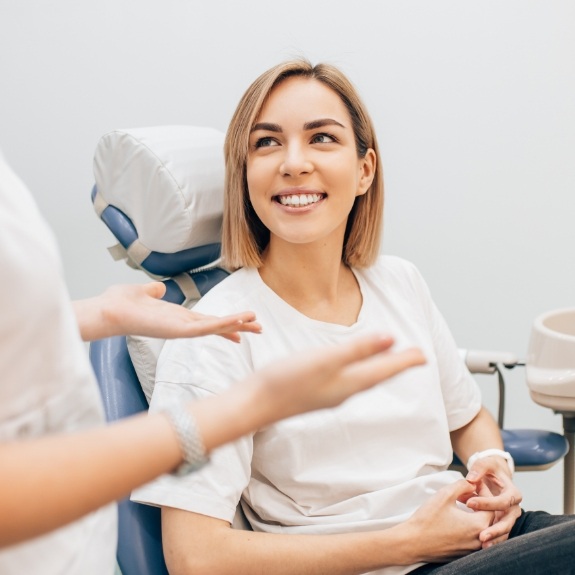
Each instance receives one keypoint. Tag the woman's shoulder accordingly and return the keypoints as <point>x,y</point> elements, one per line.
<point>395,275</point>
<point>393,266</point>
<point>232,294</point>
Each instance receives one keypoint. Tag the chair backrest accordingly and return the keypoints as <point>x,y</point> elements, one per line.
<point>159,191</point>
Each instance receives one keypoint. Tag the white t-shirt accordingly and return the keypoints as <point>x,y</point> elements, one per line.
<point>46,383</point>
<point>365,465</point>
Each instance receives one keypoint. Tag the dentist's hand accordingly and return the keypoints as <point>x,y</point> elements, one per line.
<point>313,379</point>
<point>327,376</point>
<point>138,310</point>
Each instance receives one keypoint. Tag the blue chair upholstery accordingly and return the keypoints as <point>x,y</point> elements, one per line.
<point>157,263</point>
<point>139,535</point>
<point>534,449</point>
<point>531,449</point>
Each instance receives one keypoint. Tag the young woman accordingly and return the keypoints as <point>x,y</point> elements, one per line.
<point>60,465</point>
<point>364,487</point>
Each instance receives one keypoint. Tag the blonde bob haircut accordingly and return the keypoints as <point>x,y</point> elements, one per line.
<point>244,236</point>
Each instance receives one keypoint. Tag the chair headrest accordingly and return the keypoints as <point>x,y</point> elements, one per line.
<point>160,192</point>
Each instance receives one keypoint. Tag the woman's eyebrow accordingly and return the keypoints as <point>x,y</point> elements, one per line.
<point>313,125</point>
<point>320,123</point>
<point>267,127</point>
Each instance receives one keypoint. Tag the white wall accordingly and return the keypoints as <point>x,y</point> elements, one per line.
<point>473,102</point>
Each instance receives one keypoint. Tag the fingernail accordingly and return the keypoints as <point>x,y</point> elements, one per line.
<point>472,476</point>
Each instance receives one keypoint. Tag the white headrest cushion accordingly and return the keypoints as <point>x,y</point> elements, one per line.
<point>168,180</point>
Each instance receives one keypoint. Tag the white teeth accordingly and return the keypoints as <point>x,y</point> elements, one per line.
<point>299,199</point>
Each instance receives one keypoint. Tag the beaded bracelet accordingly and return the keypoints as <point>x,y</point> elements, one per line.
<point>191,444</point>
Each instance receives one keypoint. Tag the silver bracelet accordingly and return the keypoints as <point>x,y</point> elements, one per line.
<point>191,444</point>
<point>488,452</point>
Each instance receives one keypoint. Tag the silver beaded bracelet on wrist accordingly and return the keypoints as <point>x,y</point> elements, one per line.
<point>191,443</point>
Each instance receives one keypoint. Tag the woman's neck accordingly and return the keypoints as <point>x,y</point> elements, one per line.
<point>314,280</point>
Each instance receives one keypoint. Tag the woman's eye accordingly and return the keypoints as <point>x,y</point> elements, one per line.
<point>265,143</point>
<point>323,139</point>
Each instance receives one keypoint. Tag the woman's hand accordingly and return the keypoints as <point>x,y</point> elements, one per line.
<point>443,530</point>
<point>495,492</point>
<point>138,310</point>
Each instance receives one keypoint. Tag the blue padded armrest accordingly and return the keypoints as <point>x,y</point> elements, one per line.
<point>140,538</point>
<point>531,448</point>
<point>534,448</point>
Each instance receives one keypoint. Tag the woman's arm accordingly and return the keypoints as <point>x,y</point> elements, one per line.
<point>479,434</point>
<point>438,531</point>
<point>48,482</point>
<point>138,310</point>
<point>491,475</point>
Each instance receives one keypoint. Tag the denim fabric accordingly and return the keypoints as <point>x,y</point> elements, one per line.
<point>538,544</point>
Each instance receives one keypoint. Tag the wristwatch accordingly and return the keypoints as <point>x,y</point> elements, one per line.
<point>191,444</point>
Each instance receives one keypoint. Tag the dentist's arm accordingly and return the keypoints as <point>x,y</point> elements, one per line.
<point>46,483</point>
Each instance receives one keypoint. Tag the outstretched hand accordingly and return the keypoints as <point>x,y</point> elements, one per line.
<point>139,310</point>
<point>328,376</point>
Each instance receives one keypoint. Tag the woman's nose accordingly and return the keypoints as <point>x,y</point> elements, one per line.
<point>295,161</point>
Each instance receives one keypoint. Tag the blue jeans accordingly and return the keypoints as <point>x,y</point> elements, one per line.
<point>539,543</point>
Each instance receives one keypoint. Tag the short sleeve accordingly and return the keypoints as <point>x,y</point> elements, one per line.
<point>190,370</point>
<point>461,394</point>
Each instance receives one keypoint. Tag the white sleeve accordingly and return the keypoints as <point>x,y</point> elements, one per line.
<point>189,370</point>
<point>461,394</point>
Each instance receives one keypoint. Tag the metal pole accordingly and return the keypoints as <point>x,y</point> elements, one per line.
<point>569,465</point>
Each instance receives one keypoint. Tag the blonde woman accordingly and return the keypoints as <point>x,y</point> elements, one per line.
<point>364,487</point>
<point>61,466</point>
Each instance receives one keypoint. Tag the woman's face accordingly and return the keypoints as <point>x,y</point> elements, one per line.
<point>303,171</point>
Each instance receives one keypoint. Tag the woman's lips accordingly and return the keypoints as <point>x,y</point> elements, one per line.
<point>300,199</point>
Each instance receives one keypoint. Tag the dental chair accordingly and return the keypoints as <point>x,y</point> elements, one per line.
<point>160,192</point>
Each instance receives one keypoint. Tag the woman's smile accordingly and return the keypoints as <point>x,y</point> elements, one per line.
<point>299,199</point>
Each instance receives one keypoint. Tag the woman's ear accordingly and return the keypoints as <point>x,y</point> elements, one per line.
<point>367,168</point>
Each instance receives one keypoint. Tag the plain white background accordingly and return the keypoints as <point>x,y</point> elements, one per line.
<point>473,103</point>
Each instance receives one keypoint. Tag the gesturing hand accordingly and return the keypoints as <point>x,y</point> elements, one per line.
<point>138,310</point>
<point>328,376</point>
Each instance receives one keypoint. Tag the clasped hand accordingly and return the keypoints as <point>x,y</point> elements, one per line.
<point>497,493</point>
<point>442,529</point>
<point>446,531</point>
